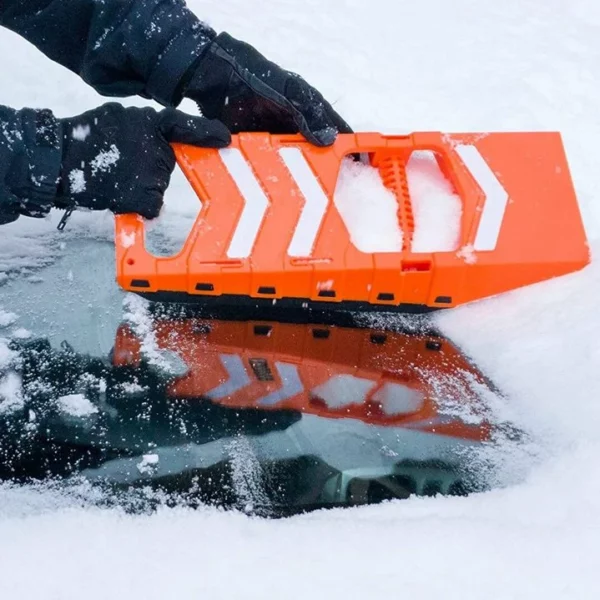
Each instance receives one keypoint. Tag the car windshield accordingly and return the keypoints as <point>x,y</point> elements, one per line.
<point>260,415</point>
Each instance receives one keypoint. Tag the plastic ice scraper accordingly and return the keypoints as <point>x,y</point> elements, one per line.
<point>269,229</point>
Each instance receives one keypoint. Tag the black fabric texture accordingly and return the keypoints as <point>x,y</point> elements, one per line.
<point>121,159</point>
<point>30,159</point>
<point>120,47</point>
<point>236,84</point>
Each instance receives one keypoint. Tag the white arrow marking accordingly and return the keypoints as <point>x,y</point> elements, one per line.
<point>315,205</point>
<point>292,386</point>
<point>255,207</point>
<point>238,377</point>
<point>496,198</point>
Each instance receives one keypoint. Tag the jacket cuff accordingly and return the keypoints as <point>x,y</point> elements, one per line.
<point>7,216</point>
<point>42,138</point>
<point>166,82</point>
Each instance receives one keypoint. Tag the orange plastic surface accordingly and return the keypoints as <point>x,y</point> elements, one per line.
<point>529,199</point>
<point>272,366</point>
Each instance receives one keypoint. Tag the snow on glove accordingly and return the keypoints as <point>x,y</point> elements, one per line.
<point>234,83</point>
<point>120,158</point>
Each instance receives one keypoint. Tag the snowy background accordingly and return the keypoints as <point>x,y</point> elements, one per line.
<point>394,67</point>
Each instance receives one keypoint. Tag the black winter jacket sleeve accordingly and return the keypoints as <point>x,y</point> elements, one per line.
<point>30,157</point>
<point>119,47</point>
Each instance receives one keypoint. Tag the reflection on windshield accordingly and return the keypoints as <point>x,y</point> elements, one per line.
<point>268,417</point>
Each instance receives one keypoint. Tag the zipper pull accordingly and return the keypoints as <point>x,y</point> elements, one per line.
<point>63,222</point>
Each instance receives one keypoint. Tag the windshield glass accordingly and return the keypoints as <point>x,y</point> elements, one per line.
<point>268,417</point>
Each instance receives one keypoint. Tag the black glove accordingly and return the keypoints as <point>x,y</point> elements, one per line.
<point>120,158</point>
<point>234,83</point>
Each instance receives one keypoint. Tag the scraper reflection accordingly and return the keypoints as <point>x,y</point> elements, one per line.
<point>271,418</point>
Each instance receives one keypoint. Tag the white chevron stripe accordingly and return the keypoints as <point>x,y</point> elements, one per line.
<point>292,385</point>
<point>496,198</point>
<point>238,378</point>
<point>256,203</point>
<point>316,202</point>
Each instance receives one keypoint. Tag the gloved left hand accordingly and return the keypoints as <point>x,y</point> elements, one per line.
<point>120,158</point>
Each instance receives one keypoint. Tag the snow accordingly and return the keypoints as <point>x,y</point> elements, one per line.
<point>325,285</point>
<point>397,399</point>
<point>343,390</point>
<point>393,67</point>
<point>127,239</point>
<point>139,318</point>
<point>467,253</point>
<point>81,132</point>
<point>76,405</point>
<point>21,334</point>
<point>132,388</point>
<point>11,399</point>
<point>148,463</point>
<point>5,354</point>
<point>246,474</point>
<point>369,210</point>
<point>77,181</point>
<point>137,315</point>
<point>7,318</point>
<point>437,209</point>
<point>105,160</point>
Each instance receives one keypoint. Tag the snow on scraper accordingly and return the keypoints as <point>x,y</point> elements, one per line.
<point>269,230</point>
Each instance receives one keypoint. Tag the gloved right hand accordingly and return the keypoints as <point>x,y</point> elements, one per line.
<point>233,82</point>
<point>120,158</point>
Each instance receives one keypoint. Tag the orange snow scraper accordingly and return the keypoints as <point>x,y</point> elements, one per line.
<point>269,231</point>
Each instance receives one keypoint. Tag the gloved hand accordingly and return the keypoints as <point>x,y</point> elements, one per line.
<point>234,83</point>
<point>120,158</point>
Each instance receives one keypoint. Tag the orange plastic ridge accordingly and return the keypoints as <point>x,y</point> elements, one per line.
<point>269,228</point>
<point>393,175</point>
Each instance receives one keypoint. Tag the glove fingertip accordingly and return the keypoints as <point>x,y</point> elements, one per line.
<point>329,124</point>
<point>219,134</point>
<point>338,122</point>
<point>151,212</point>
<point>325,137</point>
<point>179,127</point>
<point>153,205</point>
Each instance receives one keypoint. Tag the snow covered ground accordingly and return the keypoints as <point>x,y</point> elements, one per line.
<point>395,67</point>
